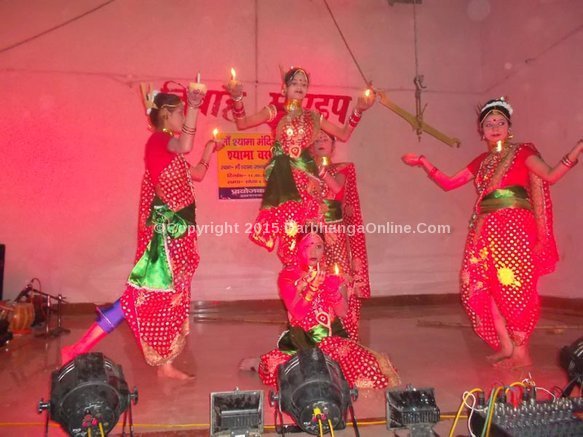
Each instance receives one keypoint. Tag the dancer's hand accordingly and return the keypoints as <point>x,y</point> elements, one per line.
<point>195,97</point>
<point>365,102</point>
<point>412,159</point>
<point>234,88</point>
<point>215,144</point>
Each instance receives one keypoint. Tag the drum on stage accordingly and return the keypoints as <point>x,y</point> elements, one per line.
<point>22,318</point>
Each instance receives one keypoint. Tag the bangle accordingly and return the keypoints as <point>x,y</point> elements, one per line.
<point>188,130</point>
<point>238,113</point>
<point>567,162</point>
<point>204,163</point>
<point>355,118</point>
<point>323,173</point>
<point>190,101</point>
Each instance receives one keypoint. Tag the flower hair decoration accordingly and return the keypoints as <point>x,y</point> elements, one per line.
<point>148,96</point>
<point>498,102</point>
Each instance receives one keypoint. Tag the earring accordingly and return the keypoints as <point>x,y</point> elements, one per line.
<point>510,134</point>
<point>283,92</point>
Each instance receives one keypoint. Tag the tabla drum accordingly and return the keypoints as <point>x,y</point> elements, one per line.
<point>22,318</point>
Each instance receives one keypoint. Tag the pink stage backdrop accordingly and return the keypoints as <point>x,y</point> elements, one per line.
<point>74,128</point>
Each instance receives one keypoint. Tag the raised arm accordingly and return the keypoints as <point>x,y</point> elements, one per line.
<point>198,172</point>
<point>343,133</point>
<point>242,121</point>
<point>185,142</point>
<point>552,174</point>
<point>444,181</point>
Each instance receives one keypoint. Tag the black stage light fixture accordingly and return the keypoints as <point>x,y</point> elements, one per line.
<point>413,408</point>
<point>236,413</point>
<point>571,359</point>
<point>88,396</point>
<point>313,391</point>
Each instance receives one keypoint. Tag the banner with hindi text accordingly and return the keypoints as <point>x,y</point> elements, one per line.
<point>241,164</point>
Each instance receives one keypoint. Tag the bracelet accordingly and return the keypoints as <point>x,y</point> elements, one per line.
<point>191,104</point>
<point>567,162</point>
<point>323,173</point>
<point>355,118</point>
<point>238,113</point>
<point>188,130</point>
<point>204,163</point>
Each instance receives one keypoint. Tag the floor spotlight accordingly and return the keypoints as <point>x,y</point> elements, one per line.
<point>314,392</point>
<point>237,413</point>
<point>571,359</point>
<point>88,396</point>
<point>414,409</point>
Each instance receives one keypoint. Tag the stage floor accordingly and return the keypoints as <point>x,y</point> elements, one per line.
<point>431,345</point>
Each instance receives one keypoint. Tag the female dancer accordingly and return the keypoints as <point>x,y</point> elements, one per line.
<point>157,297</point>
<point>345,241</point>
<point>292,182</point>
<point>314,299</point>
<point>510,243</point>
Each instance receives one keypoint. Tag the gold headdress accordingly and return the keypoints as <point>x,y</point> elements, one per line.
<point>287,76</point>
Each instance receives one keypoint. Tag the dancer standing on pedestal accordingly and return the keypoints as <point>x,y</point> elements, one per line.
<point>290,197</point>
<point>510,243</point>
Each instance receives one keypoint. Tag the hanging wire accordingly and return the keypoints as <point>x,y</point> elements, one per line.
<point>418,80</point>
<point>58,26</point>
<point>366,81</point>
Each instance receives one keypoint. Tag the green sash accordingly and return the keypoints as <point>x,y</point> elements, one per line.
<point>152,271</point>
<point>295,338</point>
<point>281,186</point>
<point>333,211</point>
<point>514,196</point>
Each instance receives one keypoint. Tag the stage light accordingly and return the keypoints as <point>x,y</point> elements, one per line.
<point>236,413</point>
<point>571,359</point>
<point>313,391</point>
<point>414,409</point>
<point>88,396</point>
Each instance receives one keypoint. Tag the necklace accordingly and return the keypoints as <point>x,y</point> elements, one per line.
<point>293,105</point>
<point>168,131</point>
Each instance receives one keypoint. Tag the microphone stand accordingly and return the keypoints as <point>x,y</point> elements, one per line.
<point>57,330</point>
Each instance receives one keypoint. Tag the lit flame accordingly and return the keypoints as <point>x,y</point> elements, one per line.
<point>367,93</point>
<point>336,269</point>
<point>233,74</point>
<point>215,133</point>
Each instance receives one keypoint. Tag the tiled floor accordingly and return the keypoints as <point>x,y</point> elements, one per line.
<point>431,345</point>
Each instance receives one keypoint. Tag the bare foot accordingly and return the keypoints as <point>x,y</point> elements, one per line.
<point>171,372</point>
<point>520,358</point>
<point>502,354</point>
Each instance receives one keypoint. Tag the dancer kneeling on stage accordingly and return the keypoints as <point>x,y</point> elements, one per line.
<point>314,300</point>
<point>156,300</point>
